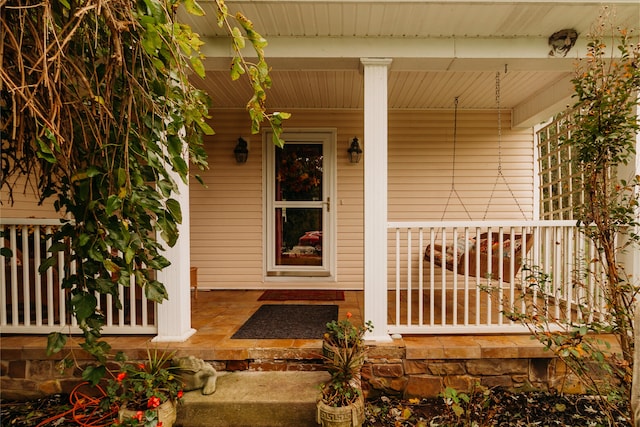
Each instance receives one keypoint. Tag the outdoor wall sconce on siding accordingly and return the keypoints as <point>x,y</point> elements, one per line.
<point>241,152</point>
<point>354,151</point>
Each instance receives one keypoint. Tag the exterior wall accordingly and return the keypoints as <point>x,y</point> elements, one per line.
<point>25,203</point>
<point>421,153</point>
<point>226,215</point>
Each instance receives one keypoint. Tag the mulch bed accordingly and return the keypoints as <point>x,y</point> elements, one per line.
<point>495,409</point>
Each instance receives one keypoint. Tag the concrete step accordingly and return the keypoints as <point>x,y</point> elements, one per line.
<point>255,399</point>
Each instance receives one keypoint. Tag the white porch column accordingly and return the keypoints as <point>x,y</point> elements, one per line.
<point>375,195</point>
<point>174,314</point>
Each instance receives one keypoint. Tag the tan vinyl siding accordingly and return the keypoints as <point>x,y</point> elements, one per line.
<point>25,203</point>
<point>421,166</point>
<point>226,216</point>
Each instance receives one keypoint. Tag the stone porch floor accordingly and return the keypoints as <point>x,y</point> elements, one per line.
<point>218,314</point>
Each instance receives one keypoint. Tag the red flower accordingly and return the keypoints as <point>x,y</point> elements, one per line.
<point>159,424</point>
<point>139,416</point>
<point>121,376</point>
<point>180,393</point>
<point>153,402</point>
<point>349,315</point>
<point>141,366</point>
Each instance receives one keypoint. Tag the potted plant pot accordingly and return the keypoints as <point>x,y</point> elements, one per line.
<point>166,413</point>
<point>340,416</point>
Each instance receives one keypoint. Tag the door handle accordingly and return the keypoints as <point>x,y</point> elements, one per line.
<point>328,203</point>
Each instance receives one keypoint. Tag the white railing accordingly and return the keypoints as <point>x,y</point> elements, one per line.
<point>31,303</point>
<point>486,272</point>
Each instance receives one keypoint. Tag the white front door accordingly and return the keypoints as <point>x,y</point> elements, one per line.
<point>300,205</point>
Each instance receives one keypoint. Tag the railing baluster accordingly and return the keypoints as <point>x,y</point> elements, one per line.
<point>26,267</point>
<point>420,277</point>
<point>398,276</point>
<point>443,298</point>
<point>15,321</point>
<point>3,280</point>
<point>409,274</point>
<point>37,277</point>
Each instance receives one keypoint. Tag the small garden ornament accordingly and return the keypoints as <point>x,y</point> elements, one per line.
<point>196,374</point>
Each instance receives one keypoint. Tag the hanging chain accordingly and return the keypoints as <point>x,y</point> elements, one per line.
<point>500,174</point>
<point>455,137</point>
<point>453,166</point>
<point>499,122</point>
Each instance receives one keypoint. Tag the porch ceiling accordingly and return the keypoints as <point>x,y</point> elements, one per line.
<point>440,50</point>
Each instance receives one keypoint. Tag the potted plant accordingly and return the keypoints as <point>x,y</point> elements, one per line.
<point>341,403</point>
<point>146,393</point>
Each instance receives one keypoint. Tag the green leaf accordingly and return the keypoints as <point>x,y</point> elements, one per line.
<point>198,66</point>
<point>110,266</point>
<point>121,177</point>
<point>44,152</point>
<point>173,206</point>
<point>155,291</point>
<point>55,342</point>
<point>113,203</point>
<point>193,8</point>
<point>238,39</point>
<point>93,374</point>
<point>48,263</point>
<point>84,305</point>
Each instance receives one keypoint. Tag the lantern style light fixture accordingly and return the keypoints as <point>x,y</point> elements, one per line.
<point>354,151</point>
<point>241,152</point>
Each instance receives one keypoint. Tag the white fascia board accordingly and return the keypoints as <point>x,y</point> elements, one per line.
<point>407,53</point>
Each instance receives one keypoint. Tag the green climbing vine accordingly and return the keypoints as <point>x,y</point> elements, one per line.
<point>98,112</point>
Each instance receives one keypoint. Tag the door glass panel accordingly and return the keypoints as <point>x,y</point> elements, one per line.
<point>299,172</point>
<point>298,236</point>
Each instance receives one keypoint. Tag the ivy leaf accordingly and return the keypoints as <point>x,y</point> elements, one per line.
<point>114,202</point>
<point>238,39</point>
<point>155,291</point>
<point>193,8</point>
<point>173,206</point>
<point>44,152</point>
<point>84,305</point>
<point>198,66</point>
<point>93,374</point>
<point>236,68</point>
<point>48,263</point>
<point>55,342</point>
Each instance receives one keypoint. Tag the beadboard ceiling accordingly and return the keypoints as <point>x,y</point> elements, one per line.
<point>440,50</point>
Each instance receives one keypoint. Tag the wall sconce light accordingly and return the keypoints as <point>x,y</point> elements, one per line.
<point>241,152</point>
<point>354,151</point>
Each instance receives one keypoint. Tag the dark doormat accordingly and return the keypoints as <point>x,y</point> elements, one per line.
<point>301,295</point>
<point>295,321</point>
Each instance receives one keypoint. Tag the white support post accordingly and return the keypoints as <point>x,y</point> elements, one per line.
<point>375,196</point>
<point>174,314</point>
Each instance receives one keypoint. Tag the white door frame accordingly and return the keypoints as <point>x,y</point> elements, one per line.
<point>326,272</point>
